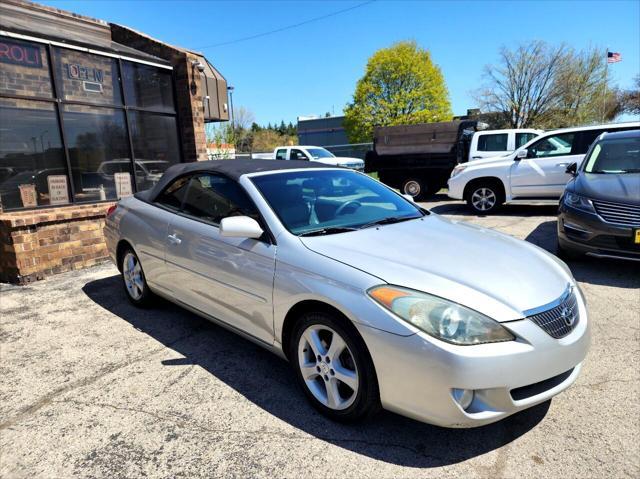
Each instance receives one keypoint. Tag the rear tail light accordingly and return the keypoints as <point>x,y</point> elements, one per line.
<point>111,210</point>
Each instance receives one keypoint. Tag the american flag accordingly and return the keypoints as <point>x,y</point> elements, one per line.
<point>613,57</point>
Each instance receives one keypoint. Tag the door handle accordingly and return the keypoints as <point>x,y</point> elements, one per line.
<point>563,164</point>
<point>173,239</point>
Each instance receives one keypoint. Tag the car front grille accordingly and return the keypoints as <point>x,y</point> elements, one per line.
<point>618,213</point>
<point>560,320</point>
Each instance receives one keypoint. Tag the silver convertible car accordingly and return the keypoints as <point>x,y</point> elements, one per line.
<point>375,301</point>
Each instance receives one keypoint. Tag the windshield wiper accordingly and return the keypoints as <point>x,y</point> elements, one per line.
<point>389,220</point>
<point>328,231</point>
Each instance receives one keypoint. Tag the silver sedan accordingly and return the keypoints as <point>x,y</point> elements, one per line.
<point>373,300</point>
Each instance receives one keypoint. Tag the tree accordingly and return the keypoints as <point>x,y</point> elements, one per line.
<point>522,87</point>
<point>401,85</point>
<point>268,139</point>
<point>630,99</point>
<point>537,85</point>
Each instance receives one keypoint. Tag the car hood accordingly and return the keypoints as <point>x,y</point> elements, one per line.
<point>339,160</point>
<point>490,272</point>
<point>623,188</point>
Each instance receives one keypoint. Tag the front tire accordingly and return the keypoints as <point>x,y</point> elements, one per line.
<point>485,198</point>
<point>333,367</point>
<point>133,279</point>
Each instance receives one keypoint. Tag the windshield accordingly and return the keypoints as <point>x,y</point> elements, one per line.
<point>332,201</point>
<point>317,153</point>
<point>621,155</point>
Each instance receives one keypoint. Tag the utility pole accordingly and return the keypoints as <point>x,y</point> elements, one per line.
<point>604,96</point>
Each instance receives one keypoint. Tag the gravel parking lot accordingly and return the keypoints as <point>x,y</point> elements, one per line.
<point>92,387</point>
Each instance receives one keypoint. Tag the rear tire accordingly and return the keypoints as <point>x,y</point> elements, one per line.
<point>333,367</point>
<point>485,198</point>
<point>415,187</point>
<point>134,280</point>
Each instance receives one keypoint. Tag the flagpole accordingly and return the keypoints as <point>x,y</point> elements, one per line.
<point>604,96</point>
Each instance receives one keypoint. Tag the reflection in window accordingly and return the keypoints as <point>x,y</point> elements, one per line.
<point>556,145</point>
<point>155,146</point>
<point>86,77</point>
<point>25,69</point>
<point>211,198</point>
<point>147,87</point>
<point>523,138</point>
<point>98,149</point>
<point>31,155</point>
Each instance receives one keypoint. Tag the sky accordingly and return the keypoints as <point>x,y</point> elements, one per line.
<point>313,68</point>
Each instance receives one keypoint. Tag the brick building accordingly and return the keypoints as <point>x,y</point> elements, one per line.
<point>90,111</point>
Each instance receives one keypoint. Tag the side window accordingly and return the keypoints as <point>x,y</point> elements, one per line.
<point>523,138</point>
<point>497,142</point>
<point>585,140</point>
<point>281,154</point>
<point>298,155</point>
<point>556,145</point>
<point>212,197</point>
<point>173,194</point>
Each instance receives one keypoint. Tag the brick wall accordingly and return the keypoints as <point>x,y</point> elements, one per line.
<point>37,244</point>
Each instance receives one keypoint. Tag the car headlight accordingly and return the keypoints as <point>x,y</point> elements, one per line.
<point>458,169</point>
<point>442,319</point>
<point>579,202</point>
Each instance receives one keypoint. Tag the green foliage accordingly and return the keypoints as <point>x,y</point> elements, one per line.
<point>401,86</point>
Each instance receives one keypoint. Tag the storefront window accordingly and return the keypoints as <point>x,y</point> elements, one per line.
<point>155,146</point>
<point>24,69</point>
<point>98,151</point>
<point>33,171</point>
<point>86,77</point>
<point>148,87</point>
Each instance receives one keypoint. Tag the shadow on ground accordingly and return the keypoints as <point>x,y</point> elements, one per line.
<point>457,208</point>
<point>601,271</point>
<point>266,380</point>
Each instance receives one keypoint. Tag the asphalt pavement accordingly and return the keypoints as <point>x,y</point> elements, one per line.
<point>92,387</point>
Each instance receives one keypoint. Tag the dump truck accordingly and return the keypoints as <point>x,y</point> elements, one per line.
<point>418,159</point>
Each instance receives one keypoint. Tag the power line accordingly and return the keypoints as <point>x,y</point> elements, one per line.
<point>288,27</point>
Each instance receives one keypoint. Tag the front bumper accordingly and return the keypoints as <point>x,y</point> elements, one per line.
<point>417,374</point>
<point>587,233</point>
<point>456,186</point>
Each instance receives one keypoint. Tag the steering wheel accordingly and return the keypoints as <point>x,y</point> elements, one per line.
<point>344,206</point>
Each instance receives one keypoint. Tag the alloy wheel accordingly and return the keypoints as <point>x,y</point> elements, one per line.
<point>483,199</point>
<point>328,367</point>
<point>132,274</point>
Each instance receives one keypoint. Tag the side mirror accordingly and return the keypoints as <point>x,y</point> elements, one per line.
<point>522,154</point>
<point>240,227</point>
<point>572,169</point>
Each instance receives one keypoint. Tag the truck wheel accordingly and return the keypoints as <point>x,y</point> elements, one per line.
<point>415,187</point>
<point>485,198</point>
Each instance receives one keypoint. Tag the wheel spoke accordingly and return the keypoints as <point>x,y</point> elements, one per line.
<point>130,263</point>
<point>314,341</point>
<point>350,378</point>
<point>333,395</point>
<point>136,269</point>
<point>336,347</point>
<point>137,280</point>
<point>309,371</point>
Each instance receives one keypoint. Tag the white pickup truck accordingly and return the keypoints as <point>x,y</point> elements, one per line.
<point>310,153</point>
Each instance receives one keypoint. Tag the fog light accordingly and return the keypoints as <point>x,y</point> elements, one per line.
<point>464,397</point>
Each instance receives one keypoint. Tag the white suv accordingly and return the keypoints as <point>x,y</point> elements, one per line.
<point>534,172</point>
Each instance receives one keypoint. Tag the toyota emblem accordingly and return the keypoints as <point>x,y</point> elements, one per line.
<point>567,316</point>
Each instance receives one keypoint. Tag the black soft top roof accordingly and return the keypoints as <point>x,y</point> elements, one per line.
<point>231,168</point>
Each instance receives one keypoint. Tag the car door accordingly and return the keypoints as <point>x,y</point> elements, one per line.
<point>150,242</point>
<point>230,279</point>
<point>543,173</point>
<point>297,154</point>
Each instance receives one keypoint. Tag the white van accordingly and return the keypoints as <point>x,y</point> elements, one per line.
<point>490,143</point>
